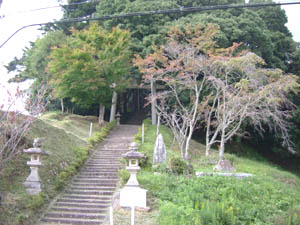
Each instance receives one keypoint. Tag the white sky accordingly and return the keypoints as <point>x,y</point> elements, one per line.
<point>15,20</point>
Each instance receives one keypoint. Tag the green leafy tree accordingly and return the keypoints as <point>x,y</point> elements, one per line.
<point>151,30</point>
<point>85,67</point>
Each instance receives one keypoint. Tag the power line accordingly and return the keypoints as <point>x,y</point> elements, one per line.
<point>52,7</point>
<point>150,13</point>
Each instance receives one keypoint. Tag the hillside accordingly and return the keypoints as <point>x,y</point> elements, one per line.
<point>64,137</point>
<point>271,196</point>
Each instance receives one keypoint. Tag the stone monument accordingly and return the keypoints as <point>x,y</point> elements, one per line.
<point>160,151</point>
<point>33,182</point>
<point>225,166</point>
<point>132,195</point>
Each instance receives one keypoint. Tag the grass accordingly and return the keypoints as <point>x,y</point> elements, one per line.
<point>272,196</point>
<point>62,142</point>
<point>77,125</point>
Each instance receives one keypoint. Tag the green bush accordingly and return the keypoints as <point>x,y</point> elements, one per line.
<point>178,166</point>
<point>293,217</point>
<point>161,168</point>
<point>221,200</point>
<point>36,201</point>
<point>22,218</point>
<point>124,176</point>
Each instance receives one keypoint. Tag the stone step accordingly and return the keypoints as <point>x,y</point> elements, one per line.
<point>99,174</point>
<point>81,205</point>
<point>88,192</point>
<point>87,169</point>
<point>108,184</point>
<point>104,159</point>
<point>94,180</point>
<point>103,164</point>
<point>72,221</point>
<point>89,188</point>
<point>93,201</point>
<point>87,198</point>
<point>98,198</point>
<point>80,210</point>
<point>110,153</point>
<point>99,168</point>
<point>106,175</point>
<point>99,171</point>
<point>107,156</point>
<point>94,171</point>
<point>74,215</point>
<point>112,150</point>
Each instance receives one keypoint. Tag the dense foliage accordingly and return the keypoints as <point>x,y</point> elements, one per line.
<point>261,30</point>
<point>85,67</point>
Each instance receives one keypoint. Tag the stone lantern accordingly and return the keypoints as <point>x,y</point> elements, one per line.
<point>33,182</point>
<point>132,195</point>
<point>118,118</point>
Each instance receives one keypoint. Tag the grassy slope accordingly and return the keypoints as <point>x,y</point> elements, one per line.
<point>61,134</point>
<point>271,197</point>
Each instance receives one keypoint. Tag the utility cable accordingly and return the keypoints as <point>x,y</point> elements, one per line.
<point>150,13</point>
<point>52,7</point>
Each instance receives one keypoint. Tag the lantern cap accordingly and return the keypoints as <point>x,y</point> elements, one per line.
<point>133,153</point>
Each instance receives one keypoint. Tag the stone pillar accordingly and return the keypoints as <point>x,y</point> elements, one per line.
<point>33,182</point>
<point>160,151</point>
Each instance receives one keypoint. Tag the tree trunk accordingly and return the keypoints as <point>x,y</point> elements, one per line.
<point>62,105</point>
<point>187,144</point>
<point>182,150</point>
<point>113,106</point>
<point>101,114</point>
<point>222,149</point>
<point>153,103</point>
<point>208,145</point>
<point>207,150</point>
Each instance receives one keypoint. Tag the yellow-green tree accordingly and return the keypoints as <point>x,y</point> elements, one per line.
<point>86,66</point>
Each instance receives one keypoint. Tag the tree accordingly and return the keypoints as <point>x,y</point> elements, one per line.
<point>252,28</point>
<point>177,65</point>
<point>227,87</point>
<point>245,92</point>
<point>14,125</point>
<point>85,67</point>
<point>148,31</point>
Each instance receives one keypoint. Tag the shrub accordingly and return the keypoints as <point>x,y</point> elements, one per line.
<point>178,166</point>
<point>36,201</point>
<point>124,175</point>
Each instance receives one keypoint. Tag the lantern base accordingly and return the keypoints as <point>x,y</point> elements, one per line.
<point>33,182</point>
<point>33,187</point>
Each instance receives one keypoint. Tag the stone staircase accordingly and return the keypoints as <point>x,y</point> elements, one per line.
<point>87,198</point>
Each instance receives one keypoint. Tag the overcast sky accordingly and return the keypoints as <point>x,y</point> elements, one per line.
<point>16,17</point>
